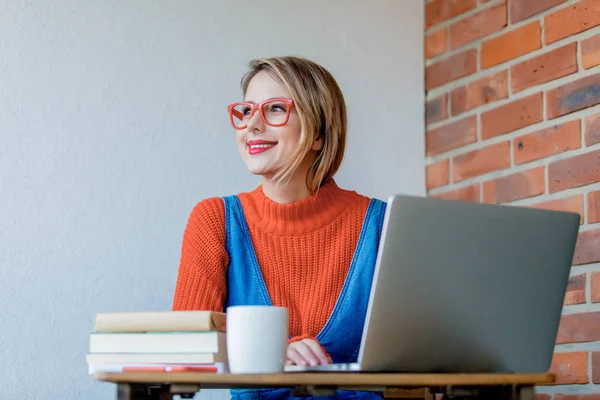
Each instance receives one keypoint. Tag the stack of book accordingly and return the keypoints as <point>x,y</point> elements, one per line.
<point>158,341</point>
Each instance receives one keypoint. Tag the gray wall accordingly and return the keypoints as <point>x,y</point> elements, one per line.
<point>113,125</point>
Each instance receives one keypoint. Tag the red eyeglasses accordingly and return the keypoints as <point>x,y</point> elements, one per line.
<point>274,112</point>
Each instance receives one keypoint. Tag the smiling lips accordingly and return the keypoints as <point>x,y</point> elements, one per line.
<point>259,146</point>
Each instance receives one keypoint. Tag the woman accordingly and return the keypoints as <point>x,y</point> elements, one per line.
<point>298,240</point>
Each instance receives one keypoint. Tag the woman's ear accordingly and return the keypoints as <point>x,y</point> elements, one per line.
<point>317,143</point>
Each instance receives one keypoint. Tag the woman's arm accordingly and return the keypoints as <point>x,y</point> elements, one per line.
<point>202,277</point>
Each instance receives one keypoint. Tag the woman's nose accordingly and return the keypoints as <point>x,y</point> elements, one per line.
<point>256,123</point>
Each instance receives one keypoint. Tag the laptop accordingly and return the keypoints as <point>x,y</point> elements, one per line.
<point>465,287</point>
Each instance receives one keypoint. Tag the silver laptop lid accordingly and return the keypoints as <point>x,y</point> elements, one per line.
<point>467,287</point>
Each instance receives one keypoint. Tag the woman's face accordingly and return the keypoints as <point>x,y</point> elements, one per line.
<point>265,148</point>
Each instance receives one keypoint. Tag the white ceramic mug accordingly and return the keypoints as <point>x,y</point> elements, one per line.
<point>256,339</point>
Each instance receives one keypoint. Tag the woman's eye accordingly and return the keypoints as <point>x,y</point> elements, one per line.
<point>277,107</point>
<point>246,110</point>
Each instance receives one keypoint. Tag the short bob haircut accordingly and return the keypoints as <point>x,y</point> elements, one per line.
<point>322,111</point>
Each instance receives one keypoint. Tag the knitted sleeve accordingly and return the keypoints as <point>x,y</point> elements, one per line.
<point>202,277</point>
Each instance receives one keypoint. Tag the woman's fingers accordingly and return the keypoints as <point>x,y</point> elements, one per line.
<point>316,349</point>
<point>306,352</point>
<point>293,357</point>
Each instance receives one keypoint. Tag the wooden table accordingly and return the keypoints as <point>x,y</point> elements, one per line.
<point>163,385</point>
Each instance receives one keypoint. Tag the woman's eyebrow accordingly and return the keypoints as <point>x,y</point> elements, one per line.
<point>270,98</point>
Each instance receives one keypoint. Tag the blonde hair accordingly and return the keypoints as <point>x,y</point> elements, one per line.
<point>322,111</point>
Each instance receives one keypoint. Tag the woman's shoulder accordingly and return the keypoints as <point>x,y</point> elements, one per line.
<point>209,206</point>
<point>208,214</point>
<point>358,197</point>
<point>212,209</point>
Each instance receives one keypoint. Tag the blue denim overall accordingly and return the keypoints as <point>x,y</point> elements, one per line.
<point>342,333</point>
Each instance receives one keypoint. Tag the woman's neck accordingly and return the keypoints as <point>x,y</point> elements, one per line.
<point>298,217</point>
<point>285,193</point>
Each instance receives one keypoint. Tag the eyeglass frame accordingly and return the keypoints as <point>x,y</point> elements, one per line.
<point>259,106</point>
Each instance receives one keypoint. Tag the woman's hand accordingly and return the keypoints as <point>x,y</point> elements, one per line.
<point>306,352</point>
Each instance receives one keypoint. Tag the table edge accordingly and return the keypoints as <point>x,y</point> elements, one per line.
<point>327,378</point>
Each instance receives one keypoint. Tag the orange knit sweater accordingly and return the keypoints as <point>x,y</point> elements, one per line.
<point>304,251</point>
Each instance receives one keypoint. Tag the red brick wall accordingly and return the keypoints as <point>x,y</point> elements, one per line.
<point>513,116</point>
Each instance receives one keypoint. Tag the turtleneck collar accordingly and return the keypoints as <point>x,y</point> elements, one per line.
<point>297,218</point>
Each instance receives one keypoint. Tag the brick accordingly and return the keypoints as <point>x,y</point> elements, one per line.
<point>468,193</point>
<point>511,45</point>
<point>593,207</point>
<point>574,172</point>
<point>542,396</point>
<point>572,204</point>
<point>436,109</point>
<point>568,21</point>
<point>575,290</point>
<point>592,129</point>
<point>512,116</point>
<point>520,10</point>
<point>516,186</point>
<point>477,93</point>
<point>588,396</point>
<point>587,249</point>
<point>437,174</point>
<point>436,43</point>
<point>573,96</point>
<point>478,25</point>
<point>595,372</point>
<point>579,328</point>
<point>451,136</point>
<point>595,293</point>
<point>482,161</point>
<point>570,368</point>
<point>544,68</point>
<point>546,142</point>
<point>590,52</point>
<point>451,69</point>
<point>441,10</point>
